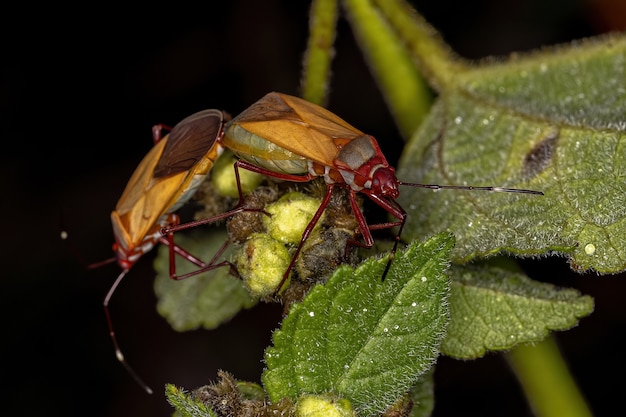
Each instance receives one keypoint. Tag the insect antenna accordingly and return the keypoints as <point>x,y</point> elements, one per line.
<point>118,352</point>
<point>65,236</point>
<point>436,187</point>
<point>103,262</point>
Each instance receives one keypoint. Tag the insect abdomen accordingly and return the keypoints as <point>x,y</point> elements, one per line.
<point>263,153</point>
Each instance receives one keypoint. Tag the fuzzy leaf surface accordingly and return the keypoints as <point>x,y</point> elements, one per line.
<point>204,300</point>
<point>422,395</point>
<point>185,405</point>
<point>492,308</point>
<point>552,121</point>
<point>361,338</point>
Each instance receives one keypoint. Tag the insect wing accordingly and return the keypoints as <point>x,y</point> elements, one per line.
<point>191,142</point>
<point>168,176</point>
<point>303,128</point>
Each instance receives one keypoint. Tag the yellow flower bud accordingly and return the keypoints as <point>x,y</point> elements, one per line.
<point>321,406</point>
<point>224,180</point>
<point>289,216</point>
<point>262,262</point>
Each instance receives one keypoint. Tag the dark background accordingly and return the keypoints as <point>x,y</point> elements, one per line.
<point>80,90</point>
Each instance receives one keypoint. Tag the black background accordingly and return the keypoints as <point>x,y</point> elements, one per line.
<point>81,88</point>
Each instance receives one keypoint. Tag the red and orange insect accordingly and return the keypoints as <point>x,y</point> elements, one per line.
<point>289,138</point>
<point>279,136</point>
<point>163,181</point>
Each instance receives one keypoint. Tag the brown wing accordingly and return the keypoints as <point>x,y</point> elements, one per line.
<point>297,125</point>
<point>189,141</point>
<point>163,176</point>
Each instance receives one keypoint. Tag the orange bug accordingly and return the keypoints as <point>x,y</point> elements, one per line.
<point>289,138</point>
<point>164,180</point>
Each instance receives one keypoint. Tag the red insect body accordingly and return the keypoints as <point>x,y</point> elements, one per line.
<point>288,138</point>
<point>164,180</point>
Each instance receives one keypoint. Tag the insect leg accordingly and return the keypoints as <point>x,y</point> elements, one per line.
<point>305,235</point>
<point>393,208</point>
<point>157,130</point>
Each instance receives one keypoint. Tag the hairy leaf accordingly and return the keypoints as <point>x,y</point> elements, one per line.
<point>552,121</point>
<point>361,338</point>
<point>494,309</point>
<point>185,405</point>
<point>422,395</point>
<point>204,300</point>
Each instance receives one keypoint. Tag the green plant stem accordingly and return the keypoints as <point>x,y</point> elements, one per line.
<point>407,95</point>
<point>320,52</point>
<point>435,59</point>
<point>546,380</point>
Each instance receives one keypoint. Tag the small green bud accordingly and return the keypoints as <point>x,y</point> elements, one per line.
<point>321,406</point>
<point>262,262</point>
<point>290,215</point>
<point>224,180</point>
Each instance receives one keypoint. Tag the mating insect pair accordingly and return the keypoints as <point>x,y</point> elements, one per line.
<point>279,136</point>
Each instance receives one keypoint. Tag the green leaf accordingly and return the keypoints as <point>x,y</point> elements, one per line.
<point>204,300</point>
<point>582,84</point>
<point>422,395</point>
<point>185,405</point>
<point>361,338</point>
<point>552,121</point>
<point>492,308</point>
